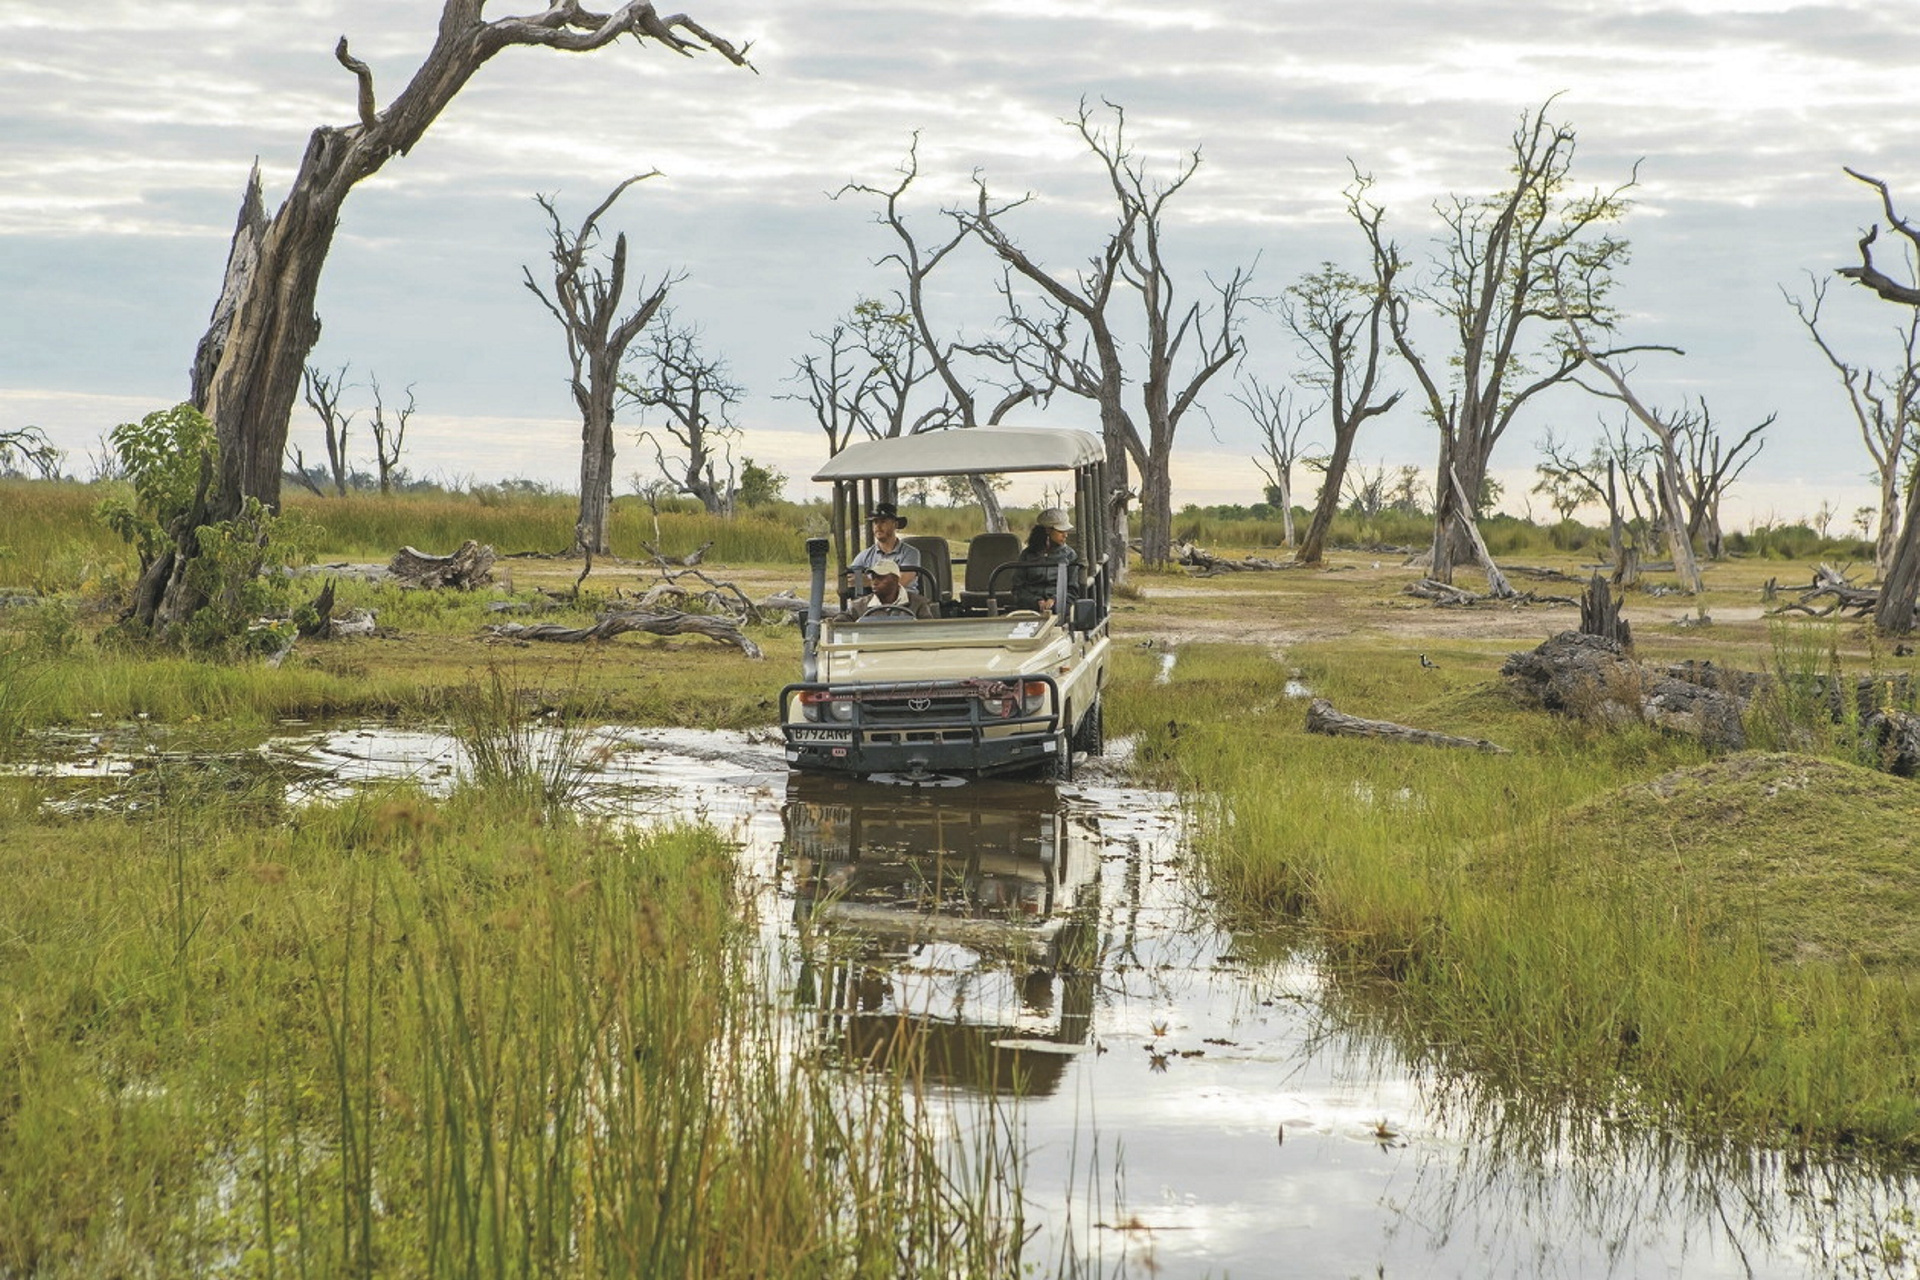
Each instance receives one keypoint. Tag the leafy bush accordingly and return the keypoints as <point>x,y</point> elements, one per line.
<point>240,572</point>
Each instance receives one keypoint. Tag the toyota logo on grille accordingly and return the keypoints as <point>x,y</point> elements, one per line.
<point>919,704</point>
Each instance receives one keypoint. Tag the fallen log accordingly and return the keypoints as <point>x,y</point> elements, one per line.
<point>466,568</point>
<point>1207,563</point>
<point>724,630</point>
<point>1322,718</point>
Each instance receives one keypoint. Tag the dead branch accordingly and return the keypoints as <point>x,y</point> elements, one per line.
<point>1322,718</point>
<point>1831,582</point>
<point>724,630</point>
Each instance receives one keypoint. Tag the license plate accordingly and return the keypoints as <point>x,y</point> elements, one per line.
<point>821,735</point>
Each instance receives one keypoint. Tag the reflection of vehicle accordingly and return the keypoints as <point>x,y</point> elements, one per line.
<point>980,689</point>
<point>953,928</point>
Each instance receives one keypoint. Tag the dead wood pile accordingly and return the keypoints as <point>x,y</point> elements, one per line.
<point>1847,599</point>
<point>619,622</point>
<point>466,568</point>
<point>1208,564</point>
<point>1446,595</point>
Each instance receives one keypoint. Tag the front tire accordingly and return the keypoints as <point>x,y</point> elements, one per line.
<point>1091,736</point>
<point>1059,765</point>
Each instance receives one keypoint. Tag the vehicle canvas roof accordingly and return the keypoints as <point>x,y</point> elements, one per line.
<point>964,451</point>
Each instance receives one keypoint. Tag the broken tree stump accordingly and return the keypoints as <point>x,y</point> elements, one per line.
<point>724,630</point>
<point>1322,718</point>
<point>1600,614</point>
<point>466,568</point>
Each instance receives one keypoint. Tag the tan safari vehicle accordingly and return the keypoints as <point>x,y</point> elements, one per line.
<point>983,688</point>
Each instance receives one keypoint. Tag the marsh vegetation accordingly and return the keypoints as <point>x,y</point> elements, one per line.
<point>409,1030</point>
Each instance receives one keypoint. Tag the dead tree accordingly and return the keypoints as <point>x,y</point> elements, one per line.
<point>686,398</point>
<point>1885,403</point>
<point>389,436</point>
<point>865,374</point>
<point>22,447</point>
<point>1709,465</point>
<point>1336,317</point>
<point>1664,433</point>
<point>323,392</point>
<point>1867,273</point>
<point>1073,330</point>
<point>586,300</point>
<point>1493,285</point>
<point>1282,427</point>
<point>247,370</point>
<point>965,401</point>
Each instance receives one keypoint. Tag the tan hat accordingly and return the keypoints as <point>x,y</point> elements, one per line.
<point>887,567</point>
<point>1054,518</point>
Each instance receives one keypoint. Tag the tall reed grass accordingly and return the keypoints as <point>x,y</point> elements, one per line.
<point>397,1037</point>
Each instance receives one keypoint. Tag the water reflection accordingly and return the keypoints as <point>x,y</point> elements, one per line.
<point>1196,1102</point>
<point>948,931</point>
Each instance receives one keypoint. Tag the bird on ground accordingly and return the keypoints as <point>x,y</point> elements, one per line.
<point>1429,663</point>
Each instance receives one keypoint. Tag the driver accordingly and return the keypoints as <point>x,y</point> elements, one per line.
<point>888,595</point>
<point>886,522</point>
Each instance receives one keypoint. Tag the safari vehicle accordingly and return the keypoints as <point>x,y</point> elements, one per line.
<point>984,688</point>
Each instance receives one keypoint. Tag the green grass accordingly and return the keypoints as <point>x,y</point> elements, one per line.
<point>400,1037</point>
<point>1733,948</point>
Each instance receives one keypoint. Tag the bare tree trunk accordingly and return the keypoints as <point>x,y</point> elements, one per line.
<point>990,509</point>
<point>1156,506</point>
<point>1893,614</point>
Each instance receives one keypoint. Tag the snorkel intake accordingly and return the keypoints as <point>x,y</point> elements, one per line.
<point>816,600</point>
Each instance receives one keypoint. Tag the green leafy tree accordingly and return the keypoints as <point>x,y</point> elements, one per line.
<point>759,486</point>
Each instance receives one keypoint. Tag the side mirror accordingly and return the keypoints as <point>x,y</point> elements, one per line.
<point>1085,615</point>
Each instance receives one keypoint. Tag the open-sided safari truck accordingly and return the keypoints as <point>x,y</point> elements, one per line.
<point>983,688</point>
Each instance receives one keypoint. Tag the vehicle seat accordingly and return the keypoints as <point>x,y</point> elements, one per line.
<point>935,582</point>
<point>985,553</point>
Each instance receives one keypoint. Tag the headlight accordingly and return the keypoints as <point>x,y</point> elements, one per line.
<point>1033,697</point>
<point>820,706</point>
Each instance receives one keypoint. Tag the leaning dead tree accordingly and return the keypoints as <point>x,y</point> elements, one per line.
<point>586,300</point>
<point>1894,615</point>
<point>1885,404</point>
<point>247,371</point>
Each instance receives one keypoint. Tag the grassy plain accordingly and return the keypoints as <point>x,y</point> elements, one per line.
<point>222,1021</point>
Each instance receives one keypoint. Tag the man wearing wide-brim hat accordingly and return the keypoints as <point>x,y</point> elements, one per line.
<point>885,522</point>
<point>889,595</point>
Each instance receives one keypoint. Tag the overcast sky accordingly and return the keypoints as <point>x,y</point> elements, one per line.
<point>129,128</point>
